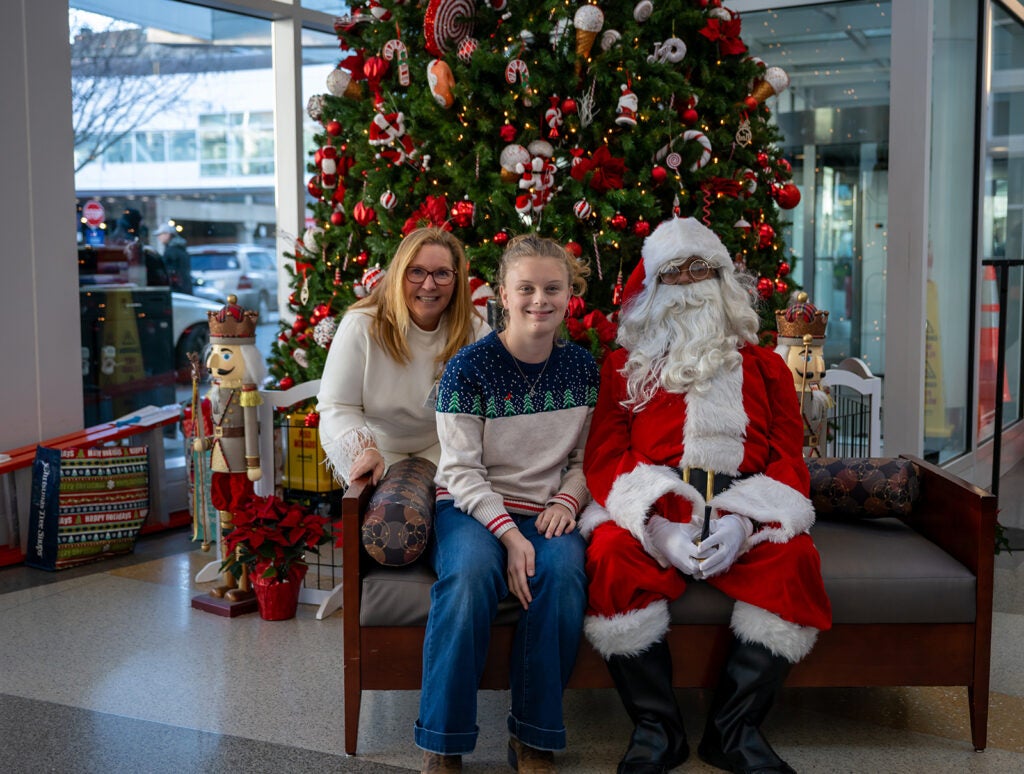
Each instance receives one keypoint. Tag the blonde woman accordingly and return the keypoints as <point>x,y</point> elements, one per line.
<point>513,413</point>
<point>379,383</point>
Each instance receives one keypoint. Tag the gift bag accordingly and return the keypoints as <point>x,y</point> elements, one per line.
<point>87,504</point>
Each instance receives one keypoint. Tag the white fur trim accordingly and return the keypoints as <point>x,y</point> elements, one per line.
<point>677,239</point>
<point>716,424</point>
<point>591,518</point>
<point>342,452</point>
<point>634,493</point>
<point>767,501</point>
<point>630,633</point>
<point>756,625</point>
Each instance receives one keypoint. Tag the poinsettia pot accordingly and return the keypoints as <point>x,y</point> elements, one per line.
<point>278,598</point>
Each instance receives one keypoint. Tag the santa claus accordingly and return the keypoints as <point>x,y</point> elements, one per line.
<point>695,464</point>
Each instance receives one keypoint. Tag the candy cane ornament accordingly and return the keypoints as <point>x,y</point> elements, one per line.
<point>517,70</point>
<point>395,49</point>
<point>704,142</point>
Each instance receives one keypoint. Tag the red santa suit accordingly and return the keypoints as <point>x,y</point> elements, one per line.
<point>747,424</point>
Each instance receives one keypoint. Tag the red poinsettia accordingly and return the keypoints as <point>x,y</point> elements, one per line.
<point>273,535</point>
<point>593,331</point>
<point>607,170</point>
<point>727,33</point>
<point>433,212</point>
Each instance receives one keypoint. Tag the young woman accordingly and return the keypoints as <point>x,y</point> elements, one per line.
<point>376,398</point>
<point>513,412</point>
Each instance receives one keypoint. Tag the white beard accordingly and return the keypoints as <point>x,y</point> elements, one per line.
<point>678,342</point>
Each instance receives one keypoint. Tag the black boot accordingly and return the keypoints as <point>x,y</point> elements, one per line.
<point>750,680</point>
<point>644,682</point>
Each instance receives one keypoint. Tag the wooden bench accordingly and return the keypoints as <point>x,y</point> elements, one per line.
<point>873,642</point>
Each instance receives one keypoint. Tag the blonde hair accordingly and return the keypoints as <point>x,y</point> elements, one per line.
<point>534,246</point>
<point>391,321</point>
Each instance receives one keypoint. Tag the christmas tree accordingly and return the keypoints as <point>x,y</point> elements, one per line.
<point>586,123</point>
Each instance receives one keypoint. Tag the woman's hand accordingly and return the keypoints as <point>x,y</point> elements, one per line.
<point>369,461</point>
<point>555,520</point>
<point>520,565</point>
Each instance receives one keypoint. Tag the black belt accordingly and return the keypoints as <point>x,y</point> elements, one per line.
<point>698,478</point>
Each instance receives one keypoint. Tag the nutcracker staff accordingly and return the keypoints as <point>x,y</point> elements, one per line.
<point>236,370</point>
<point>695,423</point>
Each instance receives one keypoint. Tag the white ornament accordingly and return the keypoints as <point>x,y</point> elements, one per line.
<point>642,10</point>
<point>672,50</point>
<point>338,81</point>
<point>541,148</point>
<point>324,331</point>
<point>609,38</point>
<point>589,18</point>
<point>388,199</point>
<point>301,357</point>
<point>513,154</point>
<point>582,209</point>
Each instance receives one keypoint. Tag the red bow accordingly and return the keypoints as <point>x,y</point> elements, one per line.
<point>433,212</point>
<point>723,186</point>
<point>607,170</point>
<point>727,33</point>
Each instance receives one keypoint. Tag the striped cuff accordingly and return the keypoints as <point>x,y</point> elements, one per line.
<point>570,502</point>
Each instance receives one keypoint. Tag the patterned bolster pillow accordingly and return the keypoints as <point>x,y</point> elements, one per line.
<point>845,488</point>
<point>400,513</point>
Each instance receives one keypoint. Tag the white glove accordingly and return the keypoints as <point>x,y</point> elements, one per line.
<point>717,552</point>
<point>677,542</point>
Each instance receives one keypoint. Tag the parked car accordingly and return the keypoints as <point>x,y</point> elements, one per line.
<point>247,271</point>
<point>191,330</point>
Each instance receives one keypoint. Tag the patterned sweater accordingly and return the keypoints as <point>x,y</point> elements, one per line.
<point>507,448</point>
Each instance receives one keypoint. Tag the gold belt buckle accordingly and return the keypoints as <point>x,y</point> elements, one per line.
<point>709,483</point>
<point>218,432</point>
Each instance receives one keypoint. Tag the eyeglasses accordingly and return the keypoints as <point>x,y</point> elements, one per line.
<point>418,276</point>
<point>694,269</point>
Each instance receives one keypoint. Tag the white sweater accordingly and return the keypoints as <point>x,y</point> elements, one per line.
<point>367,399</point>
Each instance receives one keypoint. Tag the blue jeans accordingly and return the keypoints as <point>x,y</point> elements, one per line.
<point>471,564</point>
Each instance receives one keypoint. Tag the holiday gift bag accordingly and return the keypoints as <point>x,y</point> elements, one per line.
<point>87,504</point>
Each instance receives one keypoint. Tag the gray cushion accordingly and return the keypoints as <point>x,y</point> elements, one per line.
<point>877,571</point>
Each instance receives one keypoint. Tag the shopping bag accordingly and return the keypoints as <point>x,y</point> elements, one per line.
<point>87,504</point>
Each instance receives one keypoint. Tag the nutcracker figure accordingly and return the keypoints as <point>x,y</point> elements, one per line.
<point>236,370</point>
<point>801,342</point>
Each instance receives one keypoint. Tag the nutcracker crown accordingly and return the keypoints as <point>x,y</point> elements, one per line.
<point>801,318</point>
<point>233,324</point>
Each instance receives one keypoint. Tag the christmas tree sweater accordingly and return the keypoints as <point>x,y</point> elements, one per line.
<point>512,433</point>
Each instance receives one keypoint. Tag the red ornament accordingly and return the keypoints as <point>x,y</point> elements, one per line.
<point>364,214</point>
<point>333,128</point>
<point>339,194</point>
<point>337,218</point>
<point>508,133</point>
<point>618,290</point>
<point>765,287</point>
<point>501,238</point>
<point>320,311</point>
<point>337,278</point>
<point>781,286</point>
<point>784,168</point>
<point>575,248</point>
<point>750,104</point>
<point>765,236</point>
<point>619,222</point>
<point>318,156</point>
<point>374,68</point>
<point>690,117</point>
<point>783,269</point>
<point>300,324</point>
<point>788,196</point>
<point>568,106</point>
<point>659,175</point>
<point>362,258</point>
<point>463,213</point>
<point>763,159</point>
<point>641,228</point>
<point>576,307</point>
<point>286,383</point>
<point>314,188</point>
<point>312,419</point>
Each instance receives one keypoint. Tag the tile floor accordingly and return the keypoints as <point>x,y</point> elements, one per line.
<point>107,669</point>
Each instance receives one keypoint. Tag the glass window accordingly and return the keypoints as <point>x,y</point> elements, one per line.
<point>835,120</point>
<point>173,124</point>
<point>947,417</point>
<point>1002,223</point>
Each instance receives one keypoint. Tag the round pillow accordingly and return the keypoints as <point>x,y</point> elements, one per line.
<point>400,513</point>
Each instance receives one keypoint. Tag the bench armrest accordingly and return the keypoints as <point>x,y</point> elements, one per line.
<point>957,516</point>
<point>353,508</point>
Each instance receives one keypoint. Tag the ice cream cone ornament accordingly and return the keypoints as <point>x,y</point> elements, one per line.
<point>589,20</point>
<point>774,82</point>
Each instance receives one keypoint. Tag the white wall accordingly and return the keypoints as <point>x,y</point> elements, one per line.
<point>40,375</point>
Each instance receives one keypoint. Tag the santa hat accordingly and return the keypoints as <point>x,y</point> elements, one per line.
<point>674,241</point>
<point>479,290</point>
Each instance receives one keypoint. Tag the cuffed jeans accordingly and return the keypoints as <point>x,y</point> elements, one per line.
<point>471,566</point>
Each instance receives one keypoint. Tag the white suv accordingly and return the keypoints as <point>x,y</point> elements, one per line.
<point>247,271</point>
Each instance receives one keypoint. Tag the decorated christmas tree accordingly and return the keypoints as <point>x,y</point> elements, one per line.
<point>587,123</point>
